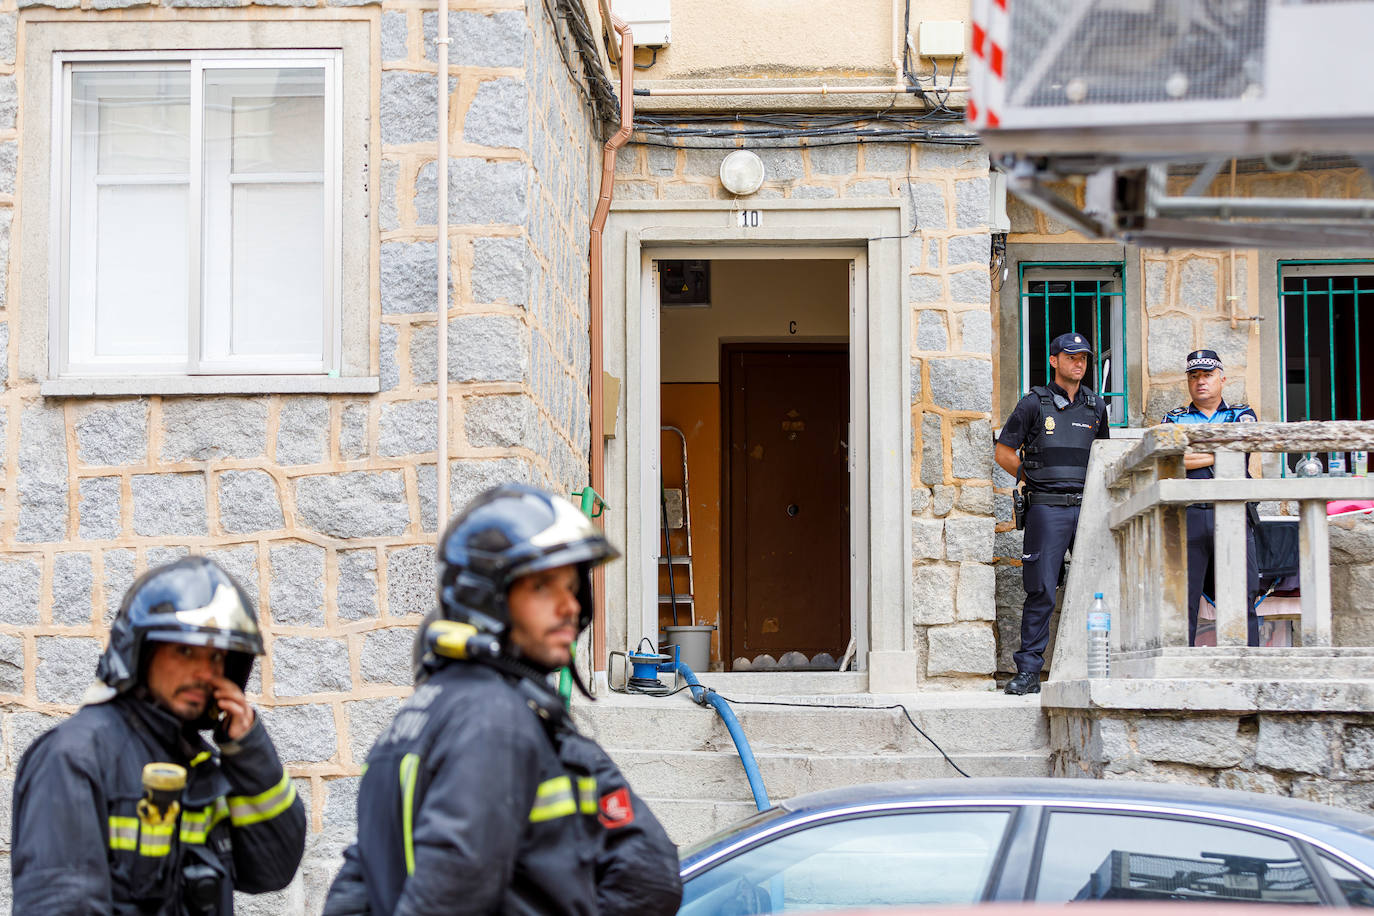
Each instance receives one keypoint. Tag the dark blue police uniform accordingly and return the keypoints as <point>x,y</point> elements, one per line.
<point>1202,516</point>
<point>1055,436</point>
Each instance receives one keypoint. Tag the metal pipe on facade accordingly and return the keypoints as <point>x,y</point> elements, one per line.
<point>1268,207</point>
<point>595,286</point>
<point>441,325</point>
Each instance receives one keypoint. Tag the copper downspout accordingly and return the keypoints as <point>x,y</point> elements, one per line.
<point>595,285</point>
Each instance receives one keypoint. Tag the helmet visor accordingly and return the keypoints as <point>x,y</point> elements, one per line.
<point>227,640</point>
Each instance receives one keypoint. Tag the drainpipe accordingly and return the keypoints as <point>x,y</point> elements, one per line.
<point>441,325</point>
<point>595,285</point>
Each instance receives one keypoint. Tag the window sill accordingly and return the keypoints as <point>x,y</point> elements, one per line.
<point>207,384</point>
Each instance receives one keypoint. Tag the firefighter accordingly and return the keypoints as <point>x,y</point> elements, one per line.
<point>481,796</point>
<point>1206,380</point>
<point>1054,426</point>
<point>125,807</point>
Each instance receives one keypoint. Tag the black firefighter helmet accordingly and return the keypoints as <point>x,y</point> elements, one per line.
<point>505,533</point>
<point>192,601</point>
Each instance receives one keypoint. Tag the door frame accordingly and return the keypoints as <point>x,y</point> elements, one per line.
<point>861,602</point>
<point>728,636</point>
<point>877,234</point>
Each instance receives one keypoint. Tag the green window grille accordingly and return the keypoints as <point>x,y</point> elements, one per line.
<point>1327,340</point>
<point>1084,297</point>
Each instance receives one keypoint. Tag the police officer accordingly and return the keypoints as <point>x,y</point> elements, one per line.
<point>1053,427</point>
<point>481,796</point>
<point>86,838</point>
<point>1206,380</point>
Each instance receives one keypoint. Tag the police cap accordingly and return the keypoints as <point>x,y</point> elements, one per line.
<point>1206,360</point>
<point>1070,343</point>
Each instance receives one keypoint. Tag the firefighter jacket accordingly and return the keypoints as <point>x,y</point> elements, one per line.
<point>79,845</point>
<point>471,802</point>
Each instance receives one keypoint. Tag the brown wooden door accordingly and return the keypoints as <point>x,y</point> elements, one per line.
<point>786,555</point>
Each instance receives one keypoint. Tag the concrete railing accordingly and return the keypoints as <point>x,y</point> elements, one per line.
<point>1151,495</point>
<point>1132,545</point>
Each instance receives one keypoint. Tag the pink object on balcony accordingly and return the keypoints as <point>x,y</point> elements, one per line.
<point>1342,506</point>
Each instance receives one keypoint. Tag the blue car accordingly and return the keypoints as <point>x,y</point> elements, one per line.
<point>950,842</point>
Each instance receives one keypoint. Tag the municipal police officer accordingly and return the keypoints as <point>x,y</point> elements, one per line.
<point>125,808</point>
<point>482,797</point>
<point>1053,427</point>
<point>1206,379</point>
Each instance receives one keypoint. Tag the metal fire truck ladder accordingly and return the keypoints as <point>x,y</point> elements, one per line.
<point>677,515</point>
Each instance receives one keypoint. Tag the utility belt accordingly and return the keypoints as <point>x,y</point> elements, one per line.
<point>1021,500</point>
<point>1034,498</point>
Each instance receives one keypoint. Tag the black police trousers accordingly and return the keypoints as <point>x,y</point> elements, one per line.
<point>1049,535</point>
<point>1202,522</point>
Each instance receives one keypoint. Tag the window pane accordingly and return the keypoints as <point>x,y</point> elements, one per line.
<point>272,119</point>
<point>138,120</point>
<point>1358,890</point>
<point>278,279</point>
<point>140,276</point>
<point>266,218</point>
<point>126,285</point>
<point>898,859</point>
<point>1137,857</point>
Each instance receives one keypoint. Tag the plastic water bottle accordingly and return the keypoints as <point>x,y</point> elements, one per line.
<point>1099,637</point>
<point>1359,463</point>
<point>1335,464</point>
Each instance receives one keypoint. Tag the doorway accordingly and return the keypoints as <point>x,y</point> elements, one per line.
<point>755,357</point>
<point>785,466</point>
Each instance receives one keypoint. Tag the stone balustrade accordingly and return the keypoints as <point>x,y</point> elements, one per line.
<point>1149,496</point>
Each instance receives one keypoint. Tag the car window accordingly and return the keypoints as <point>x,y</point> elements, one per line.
<point>1357,889</point>
<point>927,857</point>
<point>1100,856</point>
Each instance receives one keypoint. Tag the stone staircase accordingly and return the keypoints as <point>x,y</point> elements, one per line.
<point>679,756</point>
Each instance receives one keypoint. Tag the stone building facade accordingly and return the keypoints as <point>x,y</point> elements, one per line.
<point>322,504</point>
<point>321,497</point>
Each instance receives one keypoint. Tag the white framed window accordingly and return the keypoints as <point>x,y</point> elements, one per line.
<point>196,213</point>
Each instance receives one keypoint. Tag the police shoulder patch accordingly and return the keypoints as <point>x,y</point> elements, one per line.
<point>1243,413</point>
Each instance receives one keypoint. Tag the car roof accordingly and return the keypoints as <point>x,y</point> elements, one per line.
<point>1033,791</point>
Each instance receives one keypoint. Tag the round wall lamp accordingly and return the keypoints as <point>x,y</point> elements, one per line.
<point>741,172</point>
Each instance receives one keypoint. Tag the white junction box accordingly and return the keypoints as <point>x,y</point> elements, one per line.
<point>941,38</point>
<point>650,20</point>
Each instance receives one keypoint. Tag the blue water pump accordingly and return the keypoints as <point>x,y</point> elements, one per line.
<point>641,669</point>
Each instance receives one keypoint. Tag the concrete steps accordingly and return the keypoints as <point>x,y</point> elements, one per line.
<point>680,758</point>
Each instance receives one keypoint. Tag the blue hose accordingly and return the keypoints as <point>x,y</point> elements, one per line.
<point>727,715</point>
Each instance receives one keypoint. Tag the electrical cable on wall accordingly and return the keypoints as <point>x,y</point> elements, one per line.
<point>792,130</point>
<point>600,91</point>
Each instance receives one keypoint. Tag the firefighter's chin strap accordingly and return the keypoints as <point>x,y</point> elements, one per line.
<point>451,639</point>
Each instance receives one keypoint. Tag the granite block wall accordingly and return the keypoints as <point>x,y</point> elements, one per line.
<point>324,506</point>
